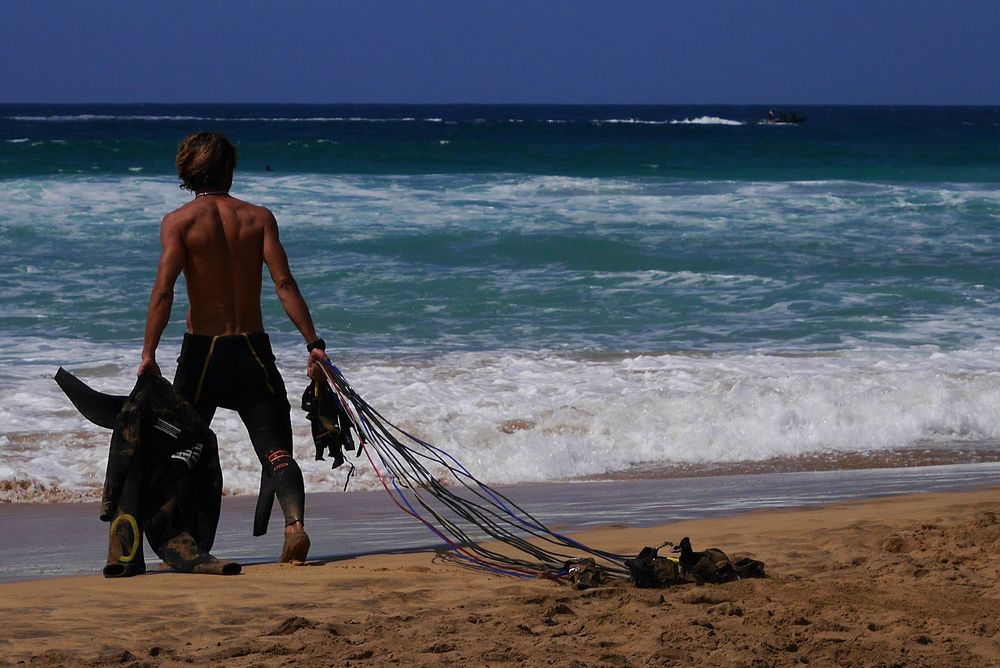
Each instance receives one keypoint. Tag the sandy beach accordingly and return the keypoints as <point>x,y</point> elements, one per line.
<point>906,581</point>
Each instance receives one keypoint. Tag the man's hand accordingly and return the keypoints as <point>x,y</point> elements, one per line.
<point>148,365</point>
<point>316,356</point>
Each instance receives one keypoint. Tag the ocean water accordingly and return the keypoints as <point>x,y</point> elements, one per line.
<point>546,292</point>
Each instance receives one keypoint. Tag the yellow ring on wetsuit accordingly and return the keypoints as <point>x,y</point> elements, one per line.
<point>136,536</point>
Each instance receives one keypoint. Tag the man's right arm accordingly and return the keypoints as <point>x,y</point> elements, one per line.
<point>161,299</point>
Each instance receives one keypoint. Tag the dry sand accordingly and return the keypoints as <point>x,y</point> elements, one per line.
<point>906,581</point>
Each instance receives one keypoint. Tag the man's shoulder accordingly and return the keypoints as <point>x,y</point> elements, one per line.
<point>259,215</point>
<point>257,209</point>
<point>180,215</point>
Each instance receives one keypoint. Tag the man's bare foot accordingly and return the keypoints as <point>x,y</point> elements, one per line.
<point>296,544</point>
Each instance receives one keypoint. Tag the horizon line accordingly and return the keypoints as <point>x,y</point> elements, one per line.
<point>523,104</point>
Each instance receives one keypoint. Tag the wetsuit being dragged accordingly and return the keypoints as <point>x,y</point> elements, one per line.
<point>221,244</point>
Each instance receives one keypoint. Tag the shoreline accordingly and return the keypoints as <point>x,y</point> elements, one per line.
<point>924,455</point>
<point>894,458</point>
<point>44,540</point>
<point>909,580</point>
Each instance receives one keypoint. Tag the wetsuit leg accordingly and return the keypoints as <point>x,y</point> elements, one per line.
<point>270,429</point>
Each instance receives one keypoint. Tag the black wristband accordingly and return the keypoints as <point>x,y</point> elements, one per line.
<point>318,343</point>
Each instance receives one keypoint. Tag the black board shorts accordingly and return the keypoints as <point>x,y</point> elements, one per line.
<point>229,371</point>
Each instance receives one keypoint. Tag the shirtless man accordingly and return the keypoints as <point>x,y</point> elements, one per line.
<point>221,244</point>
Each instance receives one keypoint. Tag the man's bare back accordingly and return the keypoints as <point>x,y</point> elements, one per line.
<point>223,239</point>
<point>221,243</point>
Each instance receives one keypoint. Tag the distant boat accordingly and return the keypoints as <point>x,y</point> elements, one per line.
<point>782,118</point>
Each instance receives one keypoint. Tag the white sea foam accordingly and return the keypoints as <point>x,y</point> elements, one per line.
<point>700,120</point>
<point>88,118</point>
<point>516,416</point>
<point>706,120</point>
<point>66,202</point>
<point>628,121</point>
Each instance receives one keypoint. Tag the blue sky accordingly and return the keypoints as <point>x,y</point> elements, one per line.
<point>547,51</point>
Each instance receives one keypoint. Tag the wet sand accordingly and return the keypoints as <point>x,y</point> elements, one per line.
<point>58,539</point>
<point>912,580</point>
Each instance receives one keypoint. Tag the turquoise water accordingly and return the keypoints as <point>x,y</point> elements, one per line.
<point>550,291</point>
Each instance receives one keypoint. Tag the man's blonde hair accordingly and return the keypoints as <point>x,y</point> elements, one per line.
<point>206,160</point>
